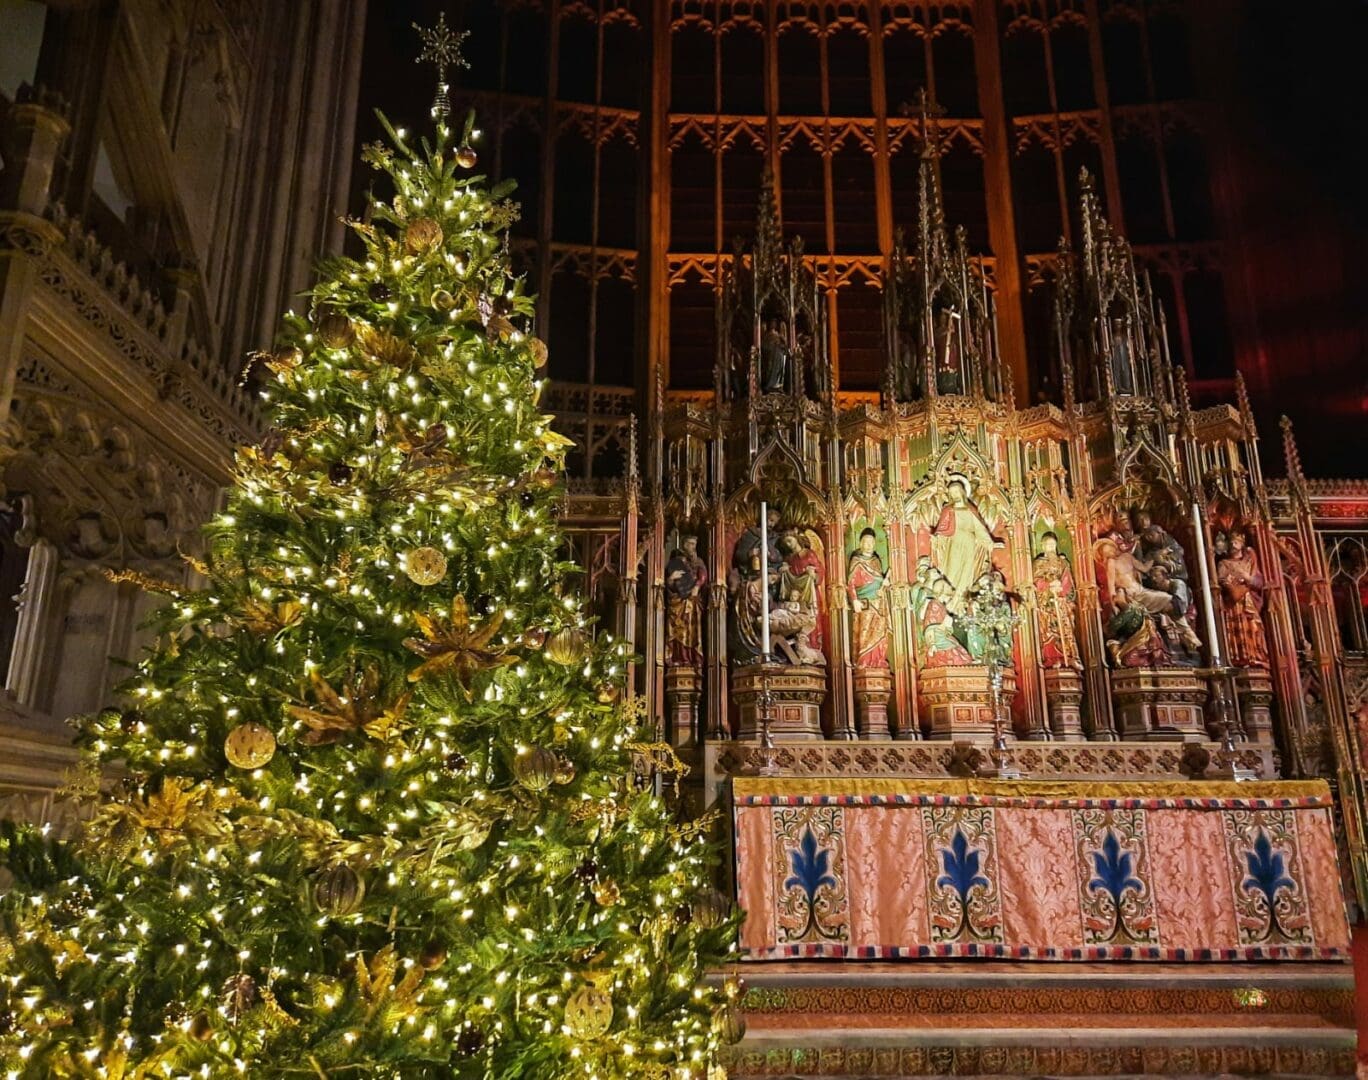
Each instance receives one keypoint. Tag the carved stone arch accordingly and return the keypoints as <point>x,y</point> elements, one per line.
<point>855,508</point>
<point>1141,459</point>
<point>778,475</point>
<point>960,460</point>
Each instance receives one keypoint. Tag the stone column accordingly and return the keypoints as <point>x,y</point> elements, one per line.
<point>1064,694</point>
<point>35,131</point>
<point>1254,689</point>
<point>873,687</point>
<point>683,688</point>
<point>33,642</point>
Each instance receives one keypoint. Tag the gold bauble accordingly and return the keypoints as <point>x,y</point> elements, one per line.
<point>730,1024</point>
<point>537,347</point>
<point>565,770</point>
<point>201,1028</point>
<point>249,746</point>
<point>335,330</point>
<point>535,769</point>
<point>425,566</point>
<point>606,892</point>
<point>566,647</point>
<point>589,1010</point>
<point>711,908</point>
<point>338,891</point>
<point>443,300</point>
<point>466,157</point>
<point>422,235</point>
<point>607,693</point>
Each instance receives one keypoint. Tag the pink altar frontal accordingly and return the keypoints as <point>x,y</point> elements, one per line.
<point>1034,870</point>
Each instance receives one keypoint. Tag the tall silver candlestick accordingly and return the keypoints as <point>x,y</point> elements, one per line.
<point>1207,600</point>
<point>764,585</point>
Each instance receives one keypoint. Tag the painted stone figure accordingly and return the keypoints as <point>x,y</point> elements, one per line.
<point>774,358</point>
<point>686,581</point>
<point>865,582</point>
<point>940,646</point>
<point>1136,592</point>
<point>1242,599</point>
<point>949,370</point>
<point>961,544</point>
<point>801,580</point>
<point>745,558</point>
<point>1156,547</point>
<point>794,589</point>
<point>1057,604</point>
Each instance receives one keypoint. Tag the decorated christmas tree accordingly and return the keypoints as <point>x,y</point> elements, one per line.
<point>375,813</point>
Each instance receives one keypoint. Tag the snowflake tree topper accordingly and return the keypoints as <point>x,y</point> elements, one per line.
<point>442,48</point>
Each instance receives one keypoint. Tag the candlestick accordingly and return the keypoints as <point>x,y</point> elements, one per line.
<point>1215,648</point>
<point>764,585</point>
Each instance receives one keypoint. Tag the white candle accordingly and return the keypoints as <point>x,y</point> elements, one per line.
<point>764,584</point>
<point>1207,601</point>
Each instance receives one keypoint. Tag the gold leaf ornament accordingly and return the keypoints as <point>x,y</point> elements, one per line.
<point>375,984</point>
<point>422,235</point>
<point>262,618</point>
<point>540,353</point>
<point>454,647</point>
<point>386,349</point>
<point>357,708</point>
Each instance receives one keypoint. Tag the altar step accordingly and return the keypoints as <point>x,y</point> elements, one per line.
<point>984,1019</point>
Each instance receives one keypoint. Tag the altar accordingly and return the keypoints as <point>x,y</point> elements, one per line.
<point>1037,870</point>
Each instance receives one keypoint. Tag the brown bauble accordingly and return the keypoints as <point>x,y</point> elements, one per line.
<point>338,891</point>
<point>425,566</point>
<point>466,157</point>
<point>711,908</point>
<point>433,956</point>
<point>421,236</point>
<point>607,893</point>
<point>567,646</point>
<point>534,637</point>
<point>442,300</point>
<point>535,769</point>
<point>565,770</point>
<point>335,330</point>
<point>201,1029</point>
<point>249,746</point>
<point>589,1012</point>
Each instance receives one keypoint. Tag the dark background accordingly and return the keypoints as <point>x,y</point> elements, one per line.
<point>1287,85</point>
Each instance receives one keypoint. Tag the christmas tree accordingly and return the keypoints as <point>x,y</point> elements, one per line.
<point>377,815</point>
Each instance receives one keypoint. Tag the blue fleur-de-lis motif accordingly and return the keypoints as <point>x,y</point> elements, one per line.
<point>811,871</point>
<point>1114,874</point>
<point>1267,876</point>
<point>961,865</point>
